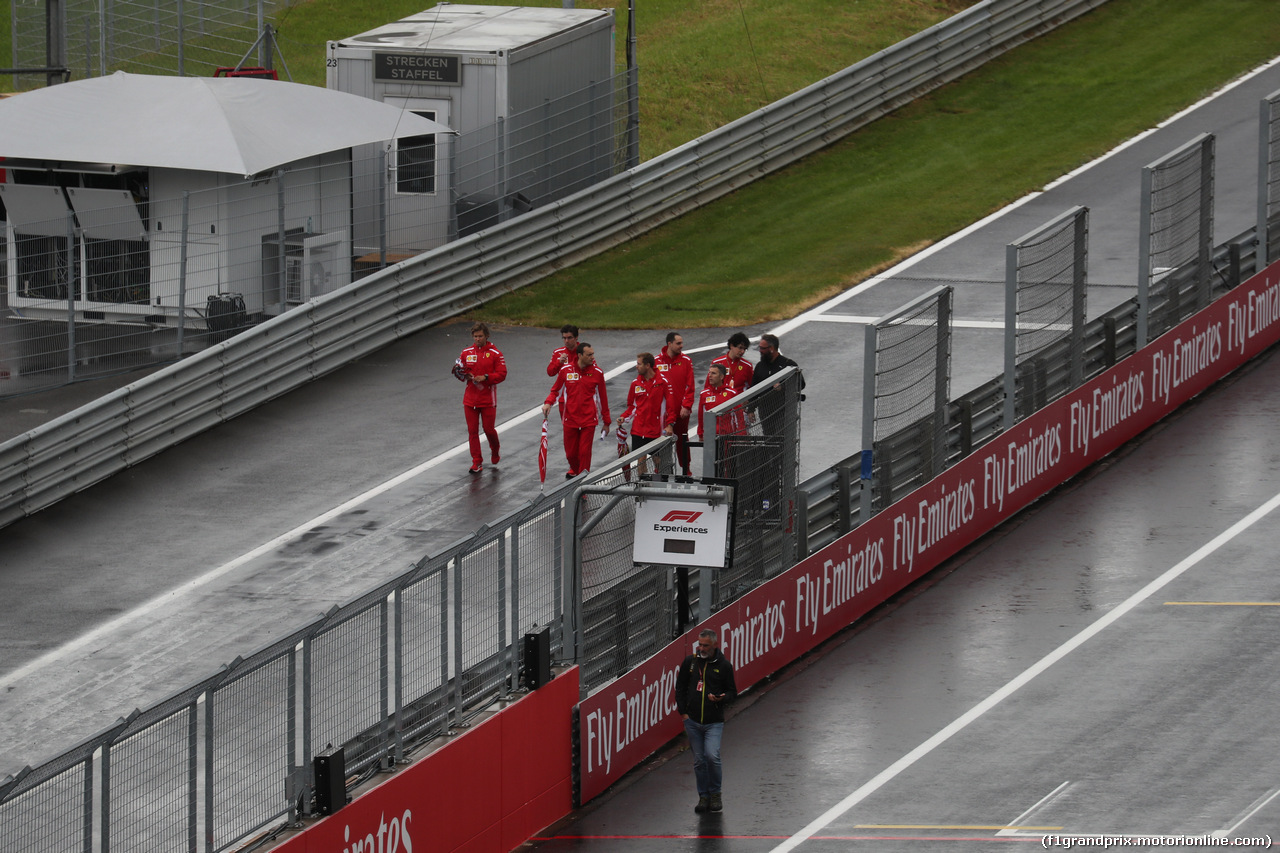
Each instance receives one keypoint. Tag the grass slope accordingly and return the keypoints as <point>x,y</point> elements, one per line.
<point>786,242</point>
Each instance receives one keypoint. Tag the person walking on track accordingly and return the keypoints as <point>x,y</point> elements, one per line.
<point>482,367</point>
<point>580,387</point>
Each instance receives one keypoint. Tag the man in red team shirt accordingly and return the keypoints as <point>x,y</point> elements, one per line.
<point>648,406</point>
<point>717,391</point>
<point>566,353</point>
<point>738,370</point>
<point>482,367</point>
<point>580,386</point>
<point>677,369</point>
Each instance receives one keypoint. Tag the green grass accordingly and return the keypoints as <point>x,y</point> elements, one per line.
<point>703,63</point>
<point>787,242</point>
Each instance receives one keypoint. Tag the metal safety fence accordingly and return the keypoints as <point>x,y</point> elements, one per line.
<point>1269,178</point>
<point>108,273</point>
<point>377,677</point>
<point>91,38</point>
<point>1175,233</point>
<point>1046,289</point>
<point>626,610</point>
<point>905,387</point>
<point>753,442</point>
<point>407,662</point>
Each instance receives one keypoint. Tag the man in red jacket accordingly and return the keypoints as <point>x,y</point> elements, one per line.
<point>566,353</point>
<point>717,391</point>
<point>482,367</point>
<point>677,369</point>
<point>580,386</point>
<point>738,370</point>
<point>647,404</point>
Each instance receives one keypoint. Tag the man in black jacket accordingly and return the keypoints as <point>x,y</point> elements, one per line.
<point>704,686</point>
<point>770,405</point>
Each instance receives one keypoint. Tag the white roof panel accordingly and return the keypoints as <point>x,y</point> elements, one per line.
<point>234,125</point>
<point>462,27</point>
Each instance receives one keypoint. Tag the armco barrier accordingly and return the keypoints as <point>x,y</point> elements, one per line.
<point>455,799</point>
<point>121,429</point>
<point>771,626</point>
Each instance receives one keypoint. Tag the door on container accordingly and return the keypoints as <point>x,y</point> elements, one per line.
<point>419,208</point>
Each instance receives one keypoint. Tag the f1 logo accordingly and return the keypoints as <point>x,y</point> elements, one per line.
<point>682,515</point>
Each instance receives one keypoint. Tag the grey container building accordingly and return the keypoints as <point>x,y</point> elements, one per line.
<point>529,92</point>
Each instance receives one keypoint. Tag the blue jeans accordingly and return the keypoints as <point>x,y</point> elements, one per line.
<point>704,740</point>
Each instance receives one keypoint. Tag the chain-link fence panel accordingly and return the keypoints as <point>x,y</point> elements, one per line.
<point>250,747</point>
<point>422,653</point>
<point>481,611</point>
<point>50,808</point>
<point>1175,242</point>
<point>95,39</point>
<point>625,608</point>
<point>1046,283</point>
<point>756,445</point>
<point>907,380</point>
<point>1269,180</point>
<point>152,769</point>
<point>537,546</point>
<point>346,664</point>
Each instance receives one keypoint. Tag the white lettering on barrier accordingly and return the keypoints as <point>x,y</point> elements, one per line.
<point>606,733</point>
<point>391,837</point>
<point>1185,360</point>
<point>757,634</point>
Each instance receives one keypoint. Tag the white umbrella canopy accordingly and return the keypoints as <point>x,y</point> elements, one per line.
<point>236,125</point>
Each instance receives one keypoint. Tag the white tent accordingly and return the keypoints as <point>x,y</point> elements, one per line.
<point>239,126</point>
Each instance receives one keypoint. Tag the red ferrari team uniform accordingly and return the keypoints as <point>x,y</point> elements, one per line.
<point>712,397</point>
<point>648,407</point>
<point>678,372</point>
<point>585,404</point>
<point>569,356</point>
<point>737,372</point>
<point>480,400</point>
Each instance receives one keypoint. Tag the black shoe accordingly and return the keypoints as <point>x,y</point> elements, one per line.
<point>716,804</point>
<point>702,806</point>
<point>477,468</point>
<point>570,475</point>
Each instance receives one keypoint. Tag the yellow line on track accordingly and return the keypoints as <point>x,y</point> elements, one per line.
<point>951,826</point>
<point>1223,603</point>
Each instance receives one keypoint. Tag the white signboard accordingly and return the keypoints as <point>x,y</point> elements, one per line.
<point>681,533</point>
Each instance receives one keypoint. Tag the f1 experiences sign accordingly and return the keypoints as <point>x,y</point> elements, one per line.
<point>622,723</point>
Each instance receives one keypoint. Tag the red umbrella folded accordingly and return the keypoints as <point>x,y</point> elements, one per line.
<point>542,454</point>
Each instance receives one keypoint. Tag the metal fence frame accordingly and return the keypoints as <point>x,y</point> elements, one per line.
<point>832,500</point>
<point>917,452</point>
<point>1063,271</point>
<point>1269,178</point>
<point>1175,224</point>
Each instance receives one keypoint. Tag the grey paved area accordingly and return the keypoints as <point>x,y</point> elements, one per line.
<point>141,585</point>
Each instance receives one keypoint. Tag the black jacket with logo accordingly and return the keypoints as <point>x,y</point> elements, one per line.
<point>700,678</point>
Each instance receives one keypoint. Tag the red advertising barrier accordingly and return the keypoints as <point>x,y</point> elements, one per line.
<point>773,625</point>
<point>487,791</point>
